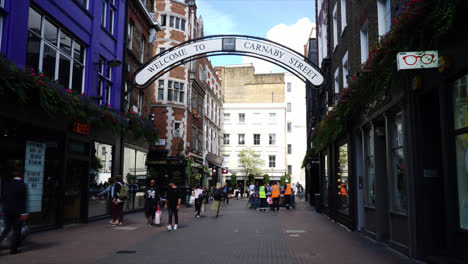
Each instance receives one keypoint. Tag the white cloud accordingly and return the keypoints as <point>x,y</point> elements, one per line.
<point>214,21</point>
<point>293,36</point>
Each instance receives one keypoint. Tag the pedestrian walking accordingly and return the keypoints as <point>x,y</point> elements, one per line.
<point>301,189</point>
<point>262,195</point>
<point>198,200</point>
<point>217,197</point>
<point>174,198</point>
<point>120,194</point>
<point>275,194</point>
<point>226,193</point>
<point>251,193</point>
<point>151,202</point>
<point>287,194</point>
<point>14,209</point>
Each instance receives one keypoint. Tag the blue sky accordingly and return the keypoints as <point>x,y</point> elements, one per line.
<point>288,22</point>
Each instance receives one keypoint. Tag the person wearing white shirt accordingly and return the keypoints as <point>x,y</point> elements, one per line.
<point>198,200</point>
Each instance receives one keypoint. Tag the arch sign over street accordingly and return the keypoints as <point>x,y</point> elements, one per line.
<point>255,47</point>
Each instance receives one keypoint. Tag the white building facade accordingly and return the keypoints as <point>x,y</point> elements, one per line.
<point>259,126</point>
<point>296,129</point>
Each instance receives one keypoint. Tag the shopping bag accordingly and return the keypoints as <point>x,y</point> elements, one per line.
<point>157,216</point>
<point>203,208</point>
<point>270,200</point>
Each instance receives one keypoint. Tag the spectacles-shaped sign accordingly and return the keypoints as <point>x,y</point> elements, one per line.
<point>417,60</point>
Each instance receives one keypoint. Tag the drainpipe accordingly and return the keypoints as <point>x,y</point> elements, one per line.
<point>122,91</point>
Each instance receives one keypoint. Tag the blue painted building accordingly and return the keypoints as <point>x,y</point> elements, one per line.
<point>80,43</point>
<point>69,40</point>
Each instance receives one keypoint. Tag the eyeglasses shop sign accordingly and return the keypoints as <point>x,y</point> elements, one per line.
<point>417,60</point>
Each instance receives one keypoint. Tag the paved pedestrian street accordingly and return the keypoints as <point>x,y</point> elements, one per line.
<point>238,235</point>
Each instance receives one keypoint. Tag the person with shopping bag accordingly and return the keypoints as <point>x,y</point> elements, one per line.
<point>151,202</point>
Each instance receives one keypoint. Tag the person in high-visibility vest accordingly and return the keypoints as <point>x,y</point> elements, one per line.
<point>262,196</point>
<point>287,194</point>
<point>275,194</point>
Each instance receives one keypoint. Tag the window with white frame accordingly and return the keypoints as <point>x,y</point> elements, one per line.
<point>290,169</point>
<point>54,52</point>
<point>140,102</point>
<point>289,149</point>
<point>104,82</point>
<point>130,35</point>
<point>345,70</point>
<point>161,90</point>
<point>364,42</point>
<point>337,82</point>
<point>177,23</point>
<point>226,161</point>
<point>241,117</point>
<point>226,139</point>
<point>112,12</point>
<point>272,117</point>
<point>227,117</point>
<point>1,23</point>
<point>384,16</point>
<point>288,107</point>
<point>175,91</point>
<point>335,27</point>
<point>104,13</point>
<point>256,139</point>
<point>343,15</point>
<point>289,125</point>
<point>162,20</point>
<point>271,161</point>
<point>239,162</point>
<point>288,85</point>
<point>241,139</point>
<point>142,49</point>
<point>272,139</point>
<point>84,3</point>
<point>177,128</point>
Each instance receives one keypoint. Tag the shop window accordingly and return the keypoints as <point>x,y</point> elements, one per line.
<point>134,174</point>
<point>370,169</point>
<point>49,42</point>
<point>461,142</point>
<point>342,179</point>
<point>399,192</point>
<point>325,181</point>
<point>101,171</point>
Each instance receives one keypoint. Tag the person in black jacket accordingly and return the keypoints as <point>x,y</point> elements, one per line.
<point>174,198</point>
<point>14,209</point>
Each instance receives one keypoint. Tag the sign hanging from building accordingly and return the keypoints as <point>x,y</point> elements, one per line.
<point>417,60</point>
<point>34,174</point>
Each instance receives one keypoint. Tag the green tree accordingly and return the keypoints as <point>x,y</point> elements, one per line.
<point>284,178</point>
<point>266,178</point>
<point>233,179</point>
<point>251,162</point>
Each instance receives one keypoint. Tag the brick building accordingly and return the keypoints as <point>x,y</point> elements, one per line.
<point>184,102</point>
<point>391,142</point>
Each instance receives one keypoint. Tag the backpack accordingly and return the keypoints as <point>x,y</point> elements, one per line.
<point>123,194</point>
<point>217,194</point>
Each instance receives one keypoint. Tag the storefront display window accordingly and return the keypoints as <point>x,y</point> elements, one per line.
<point>101,171</point>
<point>325,181</point>
<point>342,179</point>
<point>135,175</point>
<point>400,200</point>
<point>370,170</point>
<point>460,100</point>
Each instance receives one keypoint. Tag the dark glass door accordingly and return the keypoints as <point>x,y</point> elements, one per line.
<point>76,176</point>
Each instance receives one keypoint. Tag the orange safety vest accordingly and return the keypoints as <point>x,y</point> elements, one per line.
<point>275,193</point>
<point>288,190</point>
<point>343,189</point>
